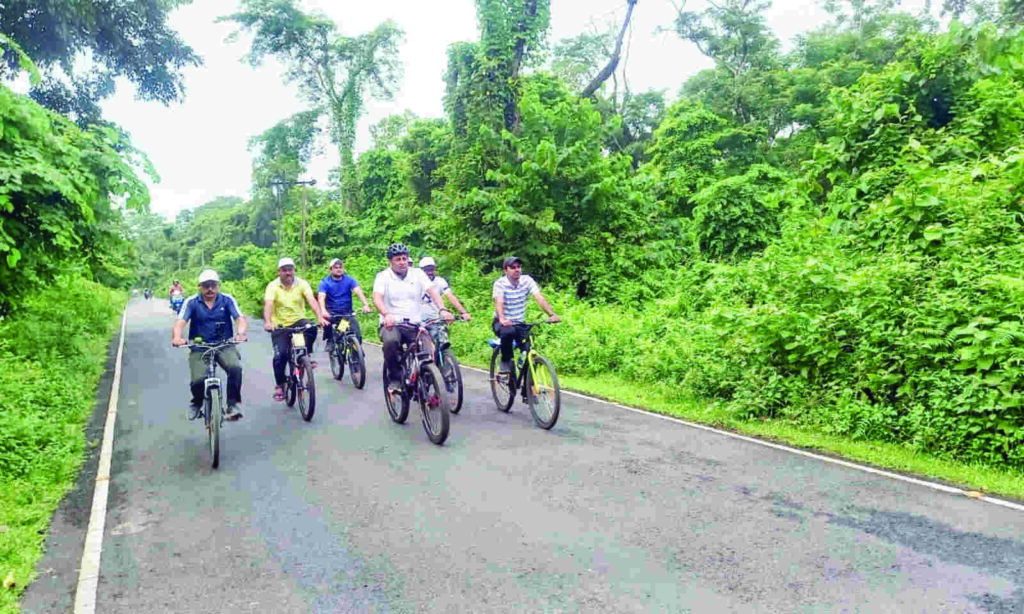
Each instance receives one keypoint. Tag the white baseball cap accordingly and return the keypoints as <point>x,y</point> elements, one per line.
<point>427,261</point>
<point>285,262</point>
<point>335,261</point>
<point>209,275</point>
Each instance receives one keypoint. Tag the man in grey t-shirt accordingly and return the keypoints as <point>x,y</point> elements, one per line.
<point>510,294</point>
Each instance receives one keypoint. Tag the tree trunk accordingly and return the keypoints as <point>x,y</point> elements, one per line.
<point>613,63</point>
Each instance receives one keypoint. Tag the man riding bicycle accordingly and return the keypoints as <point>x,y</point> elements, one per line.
<point>335,296</point>
<point>397,295</point>
<point>176,290</point>
<point>209,315</point>
<point>430,312</point>
<point>284,305</point>
<point>510,297</point>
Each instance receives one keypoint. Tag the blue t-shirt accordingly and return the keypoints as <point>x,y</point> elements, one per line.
<point>213,325</point>
<point>339,293</point>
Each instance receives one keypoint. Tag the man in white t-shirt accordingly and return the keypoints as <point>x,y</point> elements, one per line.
<point>397,295</point>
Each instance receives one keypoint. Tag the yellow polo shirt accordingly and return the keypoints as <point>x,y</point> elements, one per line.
<point>289,303</point>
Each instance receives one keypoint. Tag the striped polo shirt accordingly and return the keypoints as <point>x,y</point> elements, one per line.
<point>515,296</point>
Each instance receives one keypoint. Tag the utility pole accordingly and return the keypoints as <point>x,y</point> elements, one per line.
<point>280,188</point>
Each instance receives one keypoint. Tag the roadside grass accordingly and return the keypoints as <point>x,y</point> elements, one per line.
<point>51,363</point>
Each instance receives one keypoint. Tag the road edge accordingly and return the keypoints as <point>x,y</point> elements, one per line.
<point>89,570</point>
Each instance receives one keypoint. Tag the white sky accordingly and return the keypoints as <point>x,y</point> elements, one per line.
<point>199,147</point>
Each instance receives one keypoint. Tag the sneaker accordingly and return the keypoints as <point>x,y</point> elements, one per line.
<point>394,387</point>
<point>233,412</point>
<point>194,410</point>
<point>506,366</point>
<point>279,393</point>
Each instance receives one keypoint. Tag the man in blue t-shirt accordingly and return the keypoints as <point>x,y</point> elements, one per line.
<point>209,315</point>
<point>335,294</point>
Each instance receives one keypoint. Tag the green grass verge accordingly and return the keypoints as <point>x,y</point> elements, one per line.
<point>46,397</point>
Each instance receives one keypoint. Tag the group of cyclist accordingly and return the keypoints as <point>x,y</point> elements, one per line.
<point>402,294</point>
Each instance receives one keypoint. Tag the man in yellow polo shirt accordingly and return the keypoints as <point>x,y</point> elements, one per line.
<point>284,304</point>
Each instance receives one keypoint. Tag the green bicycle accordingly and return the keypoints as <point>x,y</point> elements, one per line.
<point>534,376</point>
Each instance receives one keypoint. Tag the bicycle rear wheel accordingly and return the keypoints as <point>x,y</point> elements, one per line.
<point>306,389</point>
<point>433,399</point>
<point>543,395</point>
<point>356,363</point>
<point>452,375</point>
<point>502,386</point>
<point>398,408</point>
<point>214,410</point>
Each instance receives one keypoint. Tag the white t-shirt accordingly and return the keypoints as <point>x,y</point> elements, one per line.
<point>402,297</point>
<point>430,312</point>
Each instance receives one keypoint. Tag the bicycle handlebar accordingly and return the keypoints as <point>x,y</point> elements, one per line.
<point>294,329</point>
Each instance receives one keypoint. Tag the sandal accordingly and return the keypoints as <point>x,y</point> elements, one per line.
<point>279,394</point>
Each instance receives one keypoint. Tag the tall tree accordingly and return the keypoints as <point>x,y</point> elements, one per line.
<point>334,72</point>
<point>126,38</point>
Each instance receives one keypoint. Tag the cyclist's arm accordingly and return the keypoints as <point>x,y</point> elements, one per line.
<point>543,302</point>
<point>321,315</point>
<point>243,325</point>
<point>322,297</point>
<point>362,297</point>
<point>179,328</point>
<point>455,302</point>
<point>499,310</point>
<point>268,310</point>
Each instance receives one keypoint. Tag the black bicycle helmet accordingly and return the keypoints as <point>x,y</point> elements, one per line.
<point>397,249</point>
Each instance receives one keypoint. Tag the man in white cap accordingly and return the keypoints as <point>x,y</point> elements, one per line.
<point>430,312</point>
<point>209,314</point>
<point>284,304</point>
<point>335,296</point>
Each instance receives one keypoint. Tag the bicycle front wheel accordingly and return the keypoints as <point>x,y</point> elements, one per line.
<point>433,399</point>
<point>291,384</point>
<point>502,386</point>
<point>452,381</point>
<point>306,389</point>
<point>543,393</point>
<point>214,410</point>
<point>356,364</point>
<point>337,357</point>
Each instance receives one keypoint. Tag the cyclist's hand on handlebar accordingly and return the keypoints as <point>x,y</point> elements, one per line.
<point>367,309</point>
<point>466,317</point>
<point>389,321</point>
<point>324,320</point>
<point>178,342</point>
<point>268,326</point>
<point>505,322</point>
<point>447,315</point>
<point>241,337</point>
<point>553,318</point>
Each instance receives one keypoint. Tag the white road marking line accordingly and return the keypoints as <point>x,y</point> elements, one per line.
<point>826,459</point>
<point>89,570</point>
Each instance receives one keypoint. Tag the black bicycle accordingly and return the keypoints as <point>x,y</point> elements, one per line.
<point>347,351</point>
<point>299,384</point>
<point>212,410</point>
<point>421,382</point>
<point>534,376</point>
<point>448,365</point>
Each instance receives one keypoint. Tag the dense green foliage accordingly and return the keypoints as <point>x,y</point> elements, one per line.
<point>47,393</point>
<point>829,236</point>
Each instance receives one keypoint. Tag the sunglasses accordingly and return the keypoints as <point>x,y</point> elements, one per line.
<point>514,266</point>
<point>209,285</point>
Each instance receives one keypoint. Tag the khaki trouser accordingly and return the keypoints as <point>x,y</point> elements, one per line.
<point>230,360</point>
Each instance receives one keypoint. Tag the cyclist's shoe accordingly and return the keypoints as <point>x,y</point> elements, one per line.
<point>232,413</point>
<point>194,409</point>
<point>394,387</point>
<point>506,366</point>
<point>279,393</point>
<point>313,364</point>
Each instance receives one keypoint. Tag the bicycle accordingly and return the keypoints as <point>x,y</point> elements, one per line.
<point>447,364</point>
<point>299,384</point>
<point>212,410</point>
<point>538,381</point>
<point>347,350</point>
<point>421,382</point>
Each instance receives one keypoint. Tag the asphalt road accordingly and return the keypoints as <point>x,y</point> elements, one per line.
<point>611,511</point>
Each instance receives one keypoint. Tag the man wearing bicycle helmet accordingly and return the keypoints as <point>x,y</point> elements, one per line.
<point>209,315</point>
<point>284,304</point>
<point>397,295</point>
<point>510,294</point>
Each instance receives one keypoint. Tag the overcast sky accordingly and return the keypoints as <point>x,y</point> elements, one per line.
<point>199,147</point>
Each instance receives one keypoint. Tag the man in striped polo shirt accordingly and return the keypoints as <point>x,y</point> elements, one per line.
<point>510,294</point>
